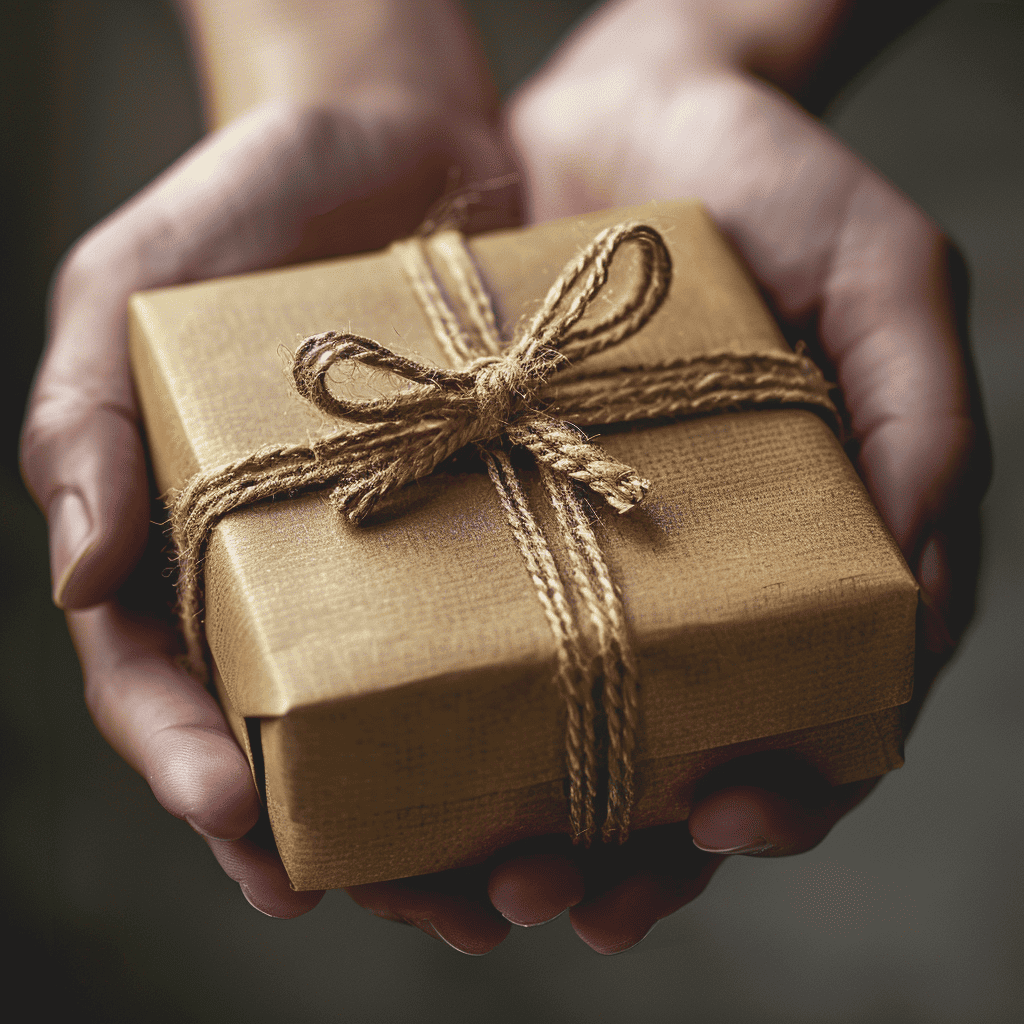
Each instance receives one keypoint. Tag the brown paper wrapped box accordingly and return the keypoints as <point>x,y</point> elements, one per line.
<point>392,682</point>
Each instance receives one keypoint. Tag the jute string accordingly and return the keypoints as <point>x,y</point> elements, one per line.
<point>536,394</point>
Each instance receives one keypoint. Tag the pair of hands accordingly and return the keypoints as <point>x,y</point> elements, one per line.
<point>616,118</point>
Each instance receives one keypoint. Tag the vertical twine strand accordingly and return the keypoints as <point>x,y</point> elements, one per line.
<point>618,676</point>
<point>572,673</point>
<point>613,670</point>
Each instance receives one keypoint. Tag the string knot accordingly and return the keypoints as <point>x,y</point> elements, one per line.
<point>500,392</point>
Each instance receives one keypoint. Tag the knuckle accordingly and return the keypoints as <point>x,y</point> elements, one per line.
<point>295,133</point>
<point>134,247</point>
<point>53,422</point>
<point>39,436</point>
<point>303,125</point>
<point>918,237</point>
<point>74,267</point>
<point>82,265</point>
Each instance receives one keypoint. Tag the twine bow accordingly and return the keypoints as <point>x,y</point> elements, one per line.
<point>409,434</point>
<point>532,394</point>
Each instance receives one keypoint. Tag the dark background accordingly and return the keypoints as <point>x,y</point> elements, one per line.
<point>911,911</point>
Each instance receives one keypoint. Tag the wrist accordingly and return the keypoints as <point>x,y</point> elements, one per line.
<point>384,53</point>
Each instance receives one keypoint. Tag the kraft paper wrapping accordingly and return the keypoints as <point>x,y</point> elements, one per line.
<point>392,682</point>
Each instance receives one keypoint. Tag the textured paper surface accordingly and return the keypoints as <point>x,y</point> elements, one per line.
<point>402,669</point>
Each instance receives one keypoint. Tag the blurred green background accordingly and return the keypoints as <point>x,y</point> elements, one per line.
<point>911,911</point>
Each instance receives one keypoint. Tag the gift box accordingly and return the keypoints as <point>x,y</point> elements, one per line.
<point>412,691</point>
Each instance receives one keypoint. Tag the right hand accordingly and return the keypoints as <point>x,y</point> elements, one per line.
<point>661,99</point>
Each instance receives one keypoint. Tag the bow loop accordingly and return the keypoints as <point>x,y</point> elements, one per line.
<point>434,386</point>
<point>560,332</point>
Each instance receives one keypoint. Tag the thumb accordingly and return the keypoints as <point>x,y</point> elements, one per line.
<point>250,196</point>
<point>85,466</point>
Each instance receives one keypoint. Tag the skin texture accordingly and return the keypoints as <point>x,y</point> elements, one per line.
<point>344,150</point>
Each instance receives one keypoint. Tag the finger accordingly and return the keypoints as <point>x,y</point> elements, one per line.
<point>262,878</point>
<point>771,804</point>
<point>451,906</point>
<point>749,820</point>
<point>631,888</point>
<point>535,882</point>
<point>163,722</point>
<point>169,728</point>
<point>899,343</point>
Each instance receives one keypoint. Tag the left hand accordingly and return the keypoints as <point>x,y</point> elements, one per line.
<point>319,169</point>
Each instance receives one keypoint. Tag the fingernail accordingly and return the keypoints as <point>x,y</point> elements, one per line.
<point>621,947</point>
<point>248,897</point>
<point>448,942</point>
<point>201,831</point>
<point>931,571</point>
<point>532,890</point>
<point>531,924</point>
<point>70,527</point>
<point>208,835</point>
<point>756,845</point>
